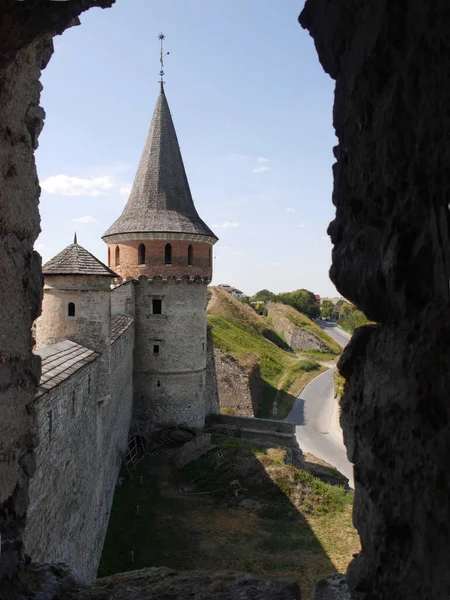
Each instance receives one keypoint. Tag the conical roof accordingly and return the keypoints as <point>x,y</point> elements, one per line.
<point>160,199</point>
<point>76,260</point>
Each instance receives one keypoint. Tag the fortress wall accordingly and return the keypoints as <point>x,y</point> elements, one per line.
<point>78,462</point>
<point>62,516</point>
<point>169,386</point>
<point>122,299</point>
<point>211,393</point>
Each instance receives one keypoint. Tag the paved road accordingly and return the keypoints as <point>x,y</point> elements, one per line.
<point>333,331</point>
<point>315,414</point>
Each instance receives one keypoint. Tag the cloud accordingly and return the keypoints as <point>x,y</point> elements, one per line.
<point>64,185</point>
<point>261,169</point>
<point>226,224</point>
<point>86,219</point>
<point>261,159</point>
<point>289,210</point>
<point>224,247</point>
<point>300,225</point>
<point>274,264</point>
<point>324,237</point>
<point>125,191</point>
<point>39,246</point>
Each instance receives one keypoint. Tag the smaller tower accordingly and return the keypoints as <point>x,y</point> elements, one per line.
<point>77,303</point>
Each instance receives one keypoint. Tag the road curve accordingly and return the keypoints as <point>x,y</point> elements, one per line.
<point>316,417</point>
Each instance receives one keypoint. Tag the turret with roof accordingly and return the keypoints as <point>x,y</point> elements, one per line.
<point>159,231</point>
<point>77,300</point>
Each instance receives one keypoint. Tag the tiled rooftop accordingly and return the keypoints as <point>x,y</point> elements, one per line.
<point>76,260</point>
<point>119,324</point>
<point>60,361</point>
<point>160,199</point>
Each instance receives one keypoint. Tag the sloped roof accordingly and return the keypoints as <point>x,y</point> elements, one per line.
<point>76,260</point>
<point>60,361</point>
<point>119,324</point>
<point>160,199</point>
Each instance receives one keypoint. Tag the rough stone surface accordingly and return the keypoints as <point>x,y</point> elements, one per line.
<point>296,337</point>
<point>25,48</point>
<point>391,63</point>
<point>333,587</point>
<point>169,385</point>
<point>240,388</point>
<point>211,393</point>
<point>82,437</point>
<point>161,582</point>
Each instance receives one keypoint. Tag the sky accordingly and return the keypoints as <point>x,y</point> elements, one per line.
<point>253,112</point>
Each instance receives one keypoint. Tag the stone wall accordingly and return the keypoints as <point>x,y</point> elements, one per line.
<point>239,387</point>
<point>122,299</point>
<point>391,63</point>
<point>211,393</point>
<point>169,385</point>
<point>25,49</point>
<point>78,460</point>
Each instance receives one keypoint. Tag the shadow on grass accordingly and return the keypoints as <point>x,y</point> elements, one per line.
<point>285,403</point>
<point>239,509</point>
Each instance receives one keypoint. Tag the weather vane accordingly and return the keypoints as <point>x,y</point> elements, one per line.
<point>162,37</point>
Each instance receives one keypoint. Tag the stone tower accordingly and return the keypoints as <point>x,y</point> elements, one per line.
<point>77,304</point>
<point>161,241</point>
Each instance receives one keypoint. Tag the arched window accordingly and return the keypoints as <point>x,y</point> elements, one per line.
<point>168,254</point>
<point>71,309</point>
<point>209,257</point>
<point>141,254</point>
<point>109,256</point>
<point>117,256</point>
<point>190,255</point>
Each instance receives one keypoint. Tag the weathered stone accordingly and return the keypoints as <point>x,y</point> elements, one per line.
<point>239,386</point>
<point>391,256</point>
<point>161,582</point>
<point>296,337</point>
<point>25,48</point>
<point>333,587</point>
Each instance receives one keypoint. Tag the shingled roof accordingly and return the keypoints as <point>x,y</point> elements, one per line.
<point>75,260</point>
<point>160,199</point>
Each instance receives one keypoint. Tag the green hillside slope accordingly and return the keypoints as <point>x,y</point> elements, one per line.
<point>248,337</point>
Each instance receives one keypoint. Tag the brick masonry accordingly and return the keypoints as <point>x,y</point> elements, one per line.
<point>128,259</point>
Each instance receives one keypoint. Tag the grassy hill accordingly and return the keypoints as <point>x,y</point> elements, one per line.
<point>248,337</point>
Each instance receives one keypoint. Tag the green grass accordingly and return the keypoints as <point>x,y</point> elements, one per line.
<point>300,526</point>
<point>238,331</point>
<point>243,341</point>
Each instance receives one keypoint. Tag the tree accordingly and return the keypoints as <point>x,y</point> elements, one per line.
<point>350,317</point>
<point>302,300</point>
<point>264,296</point>
<point>326,309</point>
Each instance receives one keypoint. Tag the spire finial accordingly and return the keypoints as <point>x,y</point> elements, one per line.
<point>75,238</point>
<point>161,38</point>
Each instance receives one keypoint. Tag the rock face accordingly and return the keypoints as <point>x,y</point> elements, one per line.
<point>239,387</point>
<point>296,337</point>
<point>391,63</point>
<point>25,48</point>
<point>161,582</point>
